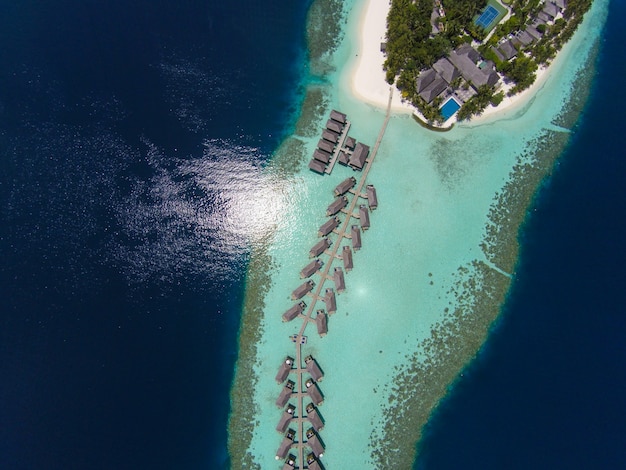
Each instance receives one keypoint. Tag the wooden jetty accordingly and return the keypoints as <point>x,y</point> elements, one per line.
<point>303,389</point>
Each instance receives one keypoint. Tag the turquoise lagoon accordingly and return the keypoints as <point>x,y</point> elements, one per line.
<point>424,257</point>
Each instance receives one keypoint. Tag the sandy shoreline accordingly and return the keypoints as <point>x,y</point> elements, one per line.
<point>368,78</point>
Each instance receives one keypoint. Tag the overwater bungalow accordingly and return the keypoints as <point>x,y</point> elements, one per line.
<point>314,392</point>
<point>294,311</point>
<point>358,157</point>
<point>335,206</point>
<point>314,442</point>
<point>321,156</point>
<point>319,247</point>
<point>346,256</point>
<point>313,368</point>
<point>345,186</point>
<point>285,445</point>
<point>314,417</point>
<point>312,462</point>
<point>372,199</point>
<point>317,166</point>
<point>290,462</point>
<point>328,226</point>
<point>356,237</point>
<point>285,419</point>
<point>343,158</point>
<point>285,394</point>
<point>326,146</point>
<point>339,117</point>
<point>364,217</point>
<point>340,283</point>
<point>330,301</point>
<point>334,126</point>
<point>311,268</point>
<point>284,369</point>
<point>302,290</point>
<point>330,136</point>
<point>321,321</point>
<point>350,142</point>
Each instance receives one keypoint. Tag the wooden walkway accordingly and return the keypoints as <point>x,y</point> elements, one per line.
<point>342,232</point>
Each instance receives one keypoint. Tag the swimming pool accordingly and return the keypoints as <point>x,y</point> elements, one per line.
<point>449,108</point>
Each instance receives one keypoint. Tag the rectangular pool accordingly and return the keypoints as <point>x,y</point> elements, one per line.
<point>449,108</point>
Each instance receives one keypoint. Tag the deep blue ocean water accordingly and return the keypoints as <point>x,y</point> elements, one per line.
<point>127,131</point>
<point>548,389</point>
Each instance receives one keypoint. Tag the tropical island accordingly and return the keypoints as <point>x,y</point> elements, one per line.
<point>451,59</point>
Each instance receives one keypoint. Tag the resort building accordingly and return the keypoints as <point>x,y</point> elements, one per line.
<point>294,311</point>
<point>284,369</point>
<point>358,157</point>
<point>321,321</point>
<point>285,445</point>
<point>302,290</point>
<point>314,418</point>
<point>285,419</point>
<point>285,394</point>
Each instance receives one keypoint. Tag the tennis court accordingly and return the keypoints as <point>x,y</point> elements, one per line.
<point>490,16</point>
<point>487,17</point>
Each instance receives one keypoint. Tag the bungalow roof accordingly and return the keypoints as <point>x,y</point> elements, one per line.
<point>525,38</point>
<point>425,78</point>
<point>446,70</point>
<point>508,50</point>
<point>434,89</point>
<point>470,71</point>
<point>550,9</point>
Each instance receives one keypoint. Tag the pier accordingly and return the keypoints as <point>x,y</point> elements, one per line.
<point>303,416</point>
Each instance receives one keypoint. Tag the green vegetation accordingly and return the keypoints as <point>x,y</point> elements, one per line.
<point>412,48</point>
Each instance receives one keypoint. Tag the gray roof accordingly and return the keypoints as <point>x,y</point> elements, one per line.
<point>469,51</point>
<point>524,38</point>
<point>317,166</point>
<point>550,9</point>
<point>345,186</point>
<point>350,142</point>
<point>340,283</point>
<point>284,369</point>
<point>285,418</point>
<point>337,116</point>
<point>355,233</point>
<point>285,445</point>
<point>346,256</point>
<point>330,300</point>
<point>330,136</point>
<point>334,126</point>
<point>319,247</point>
<point>532,31</point>
<point>322,323</point>
<point>313,266</point>
<point>498,54</point>
<point>321,156</point>
<point>314,443</point>
<point>313,368</point>
<point>327,227</point>
<point>325,145</point>
<point>543,16</point>
<point>446,70</point>
<point>562,4</point>
<point>425,78</point>
<point>470,71</point>
<point>302,290</point>
<point>285,394</point>
<point>434,89</point>
<point>314,417</point>
<point>358,157</point>
<point>343,158</point>
<point>294,311</point>
<point>314,392</point>
<point>364,217</point>
<point>290,462</point>
<point>372,198</point>
<point>508,50</point>
<point>337,204</point>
